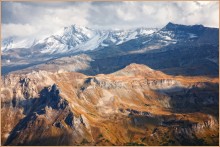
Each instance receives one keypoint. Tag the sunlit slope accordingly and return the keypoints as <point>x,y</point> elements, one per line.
<point>133,106</point>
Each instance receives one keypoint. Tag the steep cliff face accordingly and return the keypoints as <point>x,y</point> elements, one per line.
<point>134,106</point>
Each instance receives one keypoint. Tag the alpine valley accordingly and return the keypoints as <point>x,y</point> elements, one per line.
<point>85,86</point>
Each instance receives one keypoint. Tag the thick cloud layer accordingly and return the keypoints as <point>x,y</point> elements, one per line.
<point>25,19</point>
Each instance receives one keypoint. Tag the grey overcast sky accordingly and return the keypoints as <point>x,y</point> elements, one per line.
<point>38,19</point>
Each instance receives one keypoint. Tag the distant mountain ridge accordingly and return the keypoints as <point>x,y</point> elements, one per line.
<point>74,37</point>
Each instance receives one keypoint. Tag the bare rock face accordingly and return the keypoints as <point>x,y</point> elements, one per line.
<point>134,106</point>
<point>49,112</point>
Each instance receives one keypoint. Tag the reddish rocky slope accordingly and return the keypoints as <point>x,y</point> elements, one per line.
<point>133,106</point>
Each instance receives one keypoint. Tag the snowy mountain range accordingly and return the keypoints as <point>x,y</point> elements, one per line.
<point>77,38</point>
